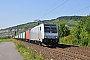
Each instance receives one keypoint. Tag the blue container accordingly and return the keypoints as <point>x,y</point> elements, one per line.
<point>24,35</point>
<point>19,36</point>
<point>31,34</point>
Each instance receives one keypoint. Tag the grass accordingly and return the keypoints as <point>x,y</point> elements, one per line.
<point>72,22</point>
<point>4,40</point>
<point>27,53</point>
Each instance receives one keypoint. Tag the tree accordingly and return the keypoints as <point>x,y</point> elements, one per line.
<point>63,30</point>
<point>75,35</point>
<point>81,33</point>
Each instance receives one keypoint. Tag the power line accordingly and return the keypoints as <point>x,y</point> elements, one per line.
<point>76,6</point>
<point>64,3</point>
<point>52,5</point>
<point>79,10</point>
<point>54,9</point>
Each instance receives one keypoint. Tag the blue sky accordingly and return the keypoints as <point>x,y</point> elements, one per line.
<point>16,12</point>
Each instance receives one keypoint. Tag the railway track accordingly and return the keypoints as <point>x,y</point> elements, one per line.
<point>73,54</point>
<point>61,52</point>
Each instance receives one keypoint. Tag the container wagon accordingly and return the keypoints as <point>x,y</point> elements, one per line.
<point>45,34</point>
<point>28,35</point>
<point>24,35</point>
<point>20,36</point>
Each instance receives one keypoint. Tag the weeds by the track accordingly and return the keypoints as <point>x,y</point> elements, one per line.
<point>4,40</point>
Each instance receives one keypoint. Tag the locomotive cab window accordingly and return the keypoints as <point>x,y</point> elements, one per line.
<point>54,29</point>
<point>47,29</point>
<point>50,29</point>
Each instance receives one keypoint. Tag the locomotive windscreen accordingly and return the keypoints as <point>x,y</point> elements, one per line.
<point>50,28</point>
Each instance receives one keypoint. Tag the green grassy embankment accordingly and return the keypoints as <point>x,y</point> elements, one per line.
<point>4,40</point>
<point>27,53</point>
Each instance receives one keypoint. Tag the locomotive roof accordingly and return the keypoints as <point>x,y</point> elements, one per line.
<point>50,24</point>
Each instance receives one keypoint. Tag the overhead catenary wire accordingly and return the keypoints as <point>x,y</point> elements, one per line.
<point>79,10</point>
<point>76,6</point>
<point>69,13</point>
<point>37,20</point>
<point>52,5</point>
<point>54,9</point>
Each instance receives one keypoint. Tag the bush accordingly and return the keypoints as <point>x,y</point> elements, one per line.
<point>6,37</point>
<point>66,40</point>
<point>63,30</point>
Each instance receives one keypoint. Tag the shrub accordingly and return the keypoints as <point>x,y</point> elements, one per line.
<point>66,40</point>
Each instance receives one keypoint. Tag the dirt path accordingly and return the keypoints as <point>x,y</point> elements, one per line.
<point>8,52</point>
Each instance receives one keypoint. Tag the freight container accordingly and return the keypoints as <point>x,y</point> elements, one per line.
<point>21,35</point>
<point>17,36</point>
<point>28,35</point>
<point>24,35</point>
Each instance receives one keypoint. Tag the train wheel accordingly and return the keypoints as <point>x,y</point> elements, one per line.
<point>40,44</point>
<point>29,41</point>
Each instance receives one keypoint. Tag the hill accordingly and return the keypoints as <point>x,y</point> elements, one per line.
<point>70,21</point>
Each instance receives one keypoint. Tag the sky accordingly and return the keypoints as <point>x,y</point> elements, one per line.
<point>16,12</point>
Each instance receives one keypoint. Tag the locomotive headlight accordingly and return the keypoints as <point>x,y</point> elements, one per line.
<point>56,36</point>
<point>45,36</point>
